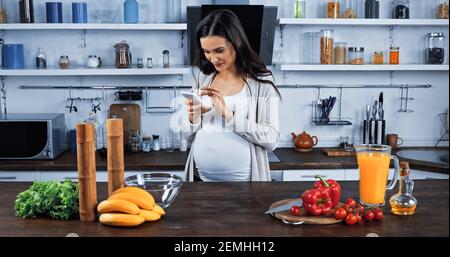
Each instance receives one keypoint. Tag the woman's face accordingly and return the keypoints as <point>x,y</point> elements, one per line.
<point>219,52</point>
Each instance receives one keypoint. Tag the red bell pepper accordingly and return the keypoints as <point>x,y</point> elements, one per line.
<point>333,188</point>
<point>316,202</point>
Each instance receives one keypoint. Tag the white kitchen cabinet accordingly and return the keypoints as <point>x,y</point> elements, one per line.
<point>19,176</point>
<point>309,175</point>
<point>353,175</point>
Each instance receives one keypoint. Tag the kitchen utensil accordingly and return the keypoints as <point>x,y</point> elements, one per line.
<point>393,141</point>
<point>305,217</point>
<point>375,110</point>
<point>285,207</point>
<point>131,115</point>
<point>164,187</point>
<point>380,109</point>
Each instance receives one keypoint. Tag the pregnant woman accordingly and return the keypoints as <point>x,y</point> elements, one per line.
<point>237,120</point>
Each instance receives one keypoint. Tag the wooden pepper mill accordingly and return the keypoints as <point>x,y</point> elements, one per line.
<point>86,171</point>
<point>116,166</point>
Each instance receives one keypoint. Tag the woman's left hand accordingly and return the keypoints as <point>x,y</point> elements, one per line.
<point>218,102</point>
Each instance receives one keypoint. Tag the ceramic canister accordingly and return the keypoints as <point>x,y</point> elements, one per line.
<point>13,57</point>
<point>54,12</point>
<point>79,12</point>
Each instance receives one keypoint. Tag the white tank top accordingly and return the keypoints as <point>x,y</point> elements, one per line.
<point>219,153</point>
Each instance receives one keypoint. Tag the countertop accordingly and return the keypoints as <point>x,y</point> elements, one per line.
<point>161,160</point>
<point>237,209</point>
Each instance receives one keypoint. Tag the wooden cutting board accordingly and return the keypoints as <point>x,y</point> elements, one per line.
<point>131,115</point>
<point>336,152</point>
<point>304,216</point>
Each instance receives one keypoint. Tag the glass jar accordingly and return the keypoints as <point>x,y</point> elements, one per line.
<point>300,9</point>
<point>139,63</point>
<point>356,55</point>
<point>326,47</point>
<point>149,62</point>
<point>134,142</point>
<point>2,12</point>
<point>435,48</point>
<point>311,49</point>
<point>147,144</point>
<point>350,10</point>
<point>41,59</point>
<point>64,62</point>
<point>394,55</point>
<point>378,57</point>
<point>333,9</point>
<point>340,53</point>
<point>156,143</point>
<point>442,9</point>
<point>166,59</point>
<point>400,9</point>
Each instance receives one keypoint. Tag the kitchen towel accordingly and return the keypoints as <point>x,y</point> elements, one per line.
<point>13,56</point>
<point>79,12</point>
<point>54,12</point>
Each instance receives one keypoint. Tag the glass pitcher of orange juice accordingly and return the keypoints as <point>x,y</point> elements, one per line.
<point>373,164</point>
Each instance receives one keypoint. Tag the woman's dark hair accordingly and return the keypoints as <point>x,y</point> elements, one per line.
<point>226,24</point>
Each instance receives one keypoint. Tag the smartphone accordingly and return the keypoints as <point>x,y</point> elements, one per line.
<point>189,95</point>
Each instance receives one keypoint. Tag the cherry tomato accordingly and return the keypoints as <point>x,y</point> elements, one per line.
<point>359,209</point>
<point>295,210</point>
<point>350,219</point>
<point>378,214</point>
<point>358,218</point>
<point>369,215</point>
<point>340,214</point>
<point>347,208</point>
<point>351,202</point>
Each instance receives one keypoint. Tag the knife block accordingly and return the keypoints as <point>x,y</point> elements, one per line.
<point>374,132</point>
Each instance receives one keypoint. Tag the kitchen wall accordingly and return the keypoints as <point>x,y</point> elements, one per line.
<point>419,128</point>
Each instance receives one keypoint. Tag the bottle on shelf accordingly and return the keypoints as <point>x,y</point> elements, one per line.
<point>166,63</point>
<point>300,9</point>
<point>404,203</point>
<point>372,9</point>
<point>41,59</point>
<point>3,17</point>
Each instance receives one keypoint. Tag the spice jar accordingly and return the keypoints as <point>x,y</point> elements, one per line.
<point>166,59</point>
<point>356,55</point>
<point>442,9</point>
<point>146,144</point>
<point>378,57</point>
<point>435,48</point>
<point>300,9</point>
<point>350,9</point>
<point>149,62</point>
<point>394,55</point>
<point>156,143</point>
<point>333,9</point>
<point>139,63</point>
<point>400,9</point>
<point>41,59</point>
<point>326,47</point>
<point>340,53</point>
<point>64,62</point>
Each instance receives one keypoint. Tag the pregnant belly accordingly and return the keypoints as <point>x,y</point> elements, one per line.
<point>221,151</point>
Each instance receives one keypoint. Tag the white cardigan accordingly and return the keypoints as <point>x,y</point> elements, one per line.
<point>261,127</point>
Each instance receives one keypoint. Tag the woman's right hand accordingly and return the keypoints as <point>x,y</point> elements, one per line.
<point>195,111</point>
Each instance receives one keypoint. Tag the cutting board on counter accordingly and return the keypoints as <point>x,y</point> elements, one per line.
<point>337,152</point>
<point>304,216</point>
<point>131,115</point>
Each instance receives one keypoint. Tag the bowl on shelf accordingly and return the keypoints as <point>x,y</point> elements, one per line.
<point>164,187</point>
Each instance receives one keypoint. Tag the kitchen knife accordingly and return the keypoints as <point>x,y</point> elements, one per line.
<point>374,110</point>
<point>284,207</point>
<point>381,110</point>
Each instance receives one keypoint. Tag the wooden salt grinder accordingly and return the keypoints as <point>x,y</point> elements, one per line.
<point>116,166</point>
<point>86,171</point>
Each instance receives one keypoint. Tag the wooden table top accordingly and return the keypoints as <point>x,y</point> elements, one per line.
<point>237,209</point>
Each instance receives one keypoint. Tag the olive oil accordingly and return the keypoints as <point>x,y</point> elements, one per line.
<point>403,203</point>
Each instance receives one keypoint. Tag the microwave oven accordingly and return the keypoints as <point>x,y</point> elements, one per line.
<point>38,136</point>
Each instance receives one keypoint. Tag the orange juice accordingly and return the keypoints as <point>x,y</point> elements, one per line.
<point>373,175</point>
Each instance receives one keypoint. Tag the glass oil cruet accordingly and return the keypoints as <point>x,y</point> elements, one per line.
<point>404,203</point>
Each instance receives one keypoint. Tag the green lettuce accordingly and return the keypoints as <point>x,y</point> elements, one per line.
<point>57,200</point>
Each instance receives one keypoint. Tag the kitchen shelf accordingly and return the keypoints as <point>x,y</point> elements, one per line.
<point>364,22</point>
<point>367,67</point>
<point>93,26</point>
<point>108,71</point>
